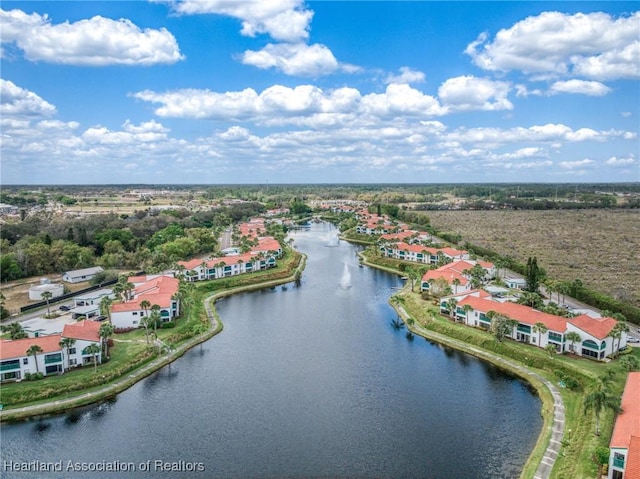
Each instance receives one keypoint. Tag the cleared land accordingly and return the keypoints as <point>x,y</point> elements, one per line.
<point>600,247</point>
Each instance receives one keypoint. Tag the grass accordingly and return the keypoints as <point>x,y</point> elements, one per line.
<point>600,247</point>
<point>580,441</point>
<point>131,351</point>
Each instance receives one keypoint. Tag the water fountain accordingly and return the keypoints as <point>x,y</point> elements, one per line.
<point>333,241</point>
<point>345,281</point>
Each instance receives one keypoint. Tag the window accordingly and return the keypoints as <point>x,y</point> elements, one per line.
<point>25,360</point>
<point>618,460</point>
<point>135,313</point>
<point>72,351</point>
<point>73,362</point>
<point>135,322</point>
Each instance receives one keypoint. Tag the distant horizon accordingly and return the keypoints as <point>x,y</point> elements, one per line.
<point>488,183</point>
<point>287,91</point>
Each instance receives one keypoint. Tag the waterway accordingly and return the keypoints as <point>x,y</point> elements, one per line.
<point>306,380</point>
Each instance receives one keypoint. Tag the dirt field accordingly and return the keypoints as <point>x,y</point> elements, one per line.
<point>600,247</point>
<point>16,293</point>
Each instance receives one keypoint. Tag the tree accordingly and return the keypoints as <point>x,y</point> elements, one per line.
<point>66,343</point>
<point>15,330</point>
<point>598,399</point>
<point>34,350</point>
<point>616,333</point>
<point>105,307</point>
<point>467,308</point>
<point>155,316</point>
<point>146,319</point>
<point>501,325</point>
<point>573,337</point>
<point>46,295</point>
<point>105,332</point>
<point>456,283</point>
<point>540,328</point>
<point>601,457</point>
<point>551,349</point>
<point>4,312</point>
<point>451,306</point>
<point>93,349</point>
<point>533,275</point>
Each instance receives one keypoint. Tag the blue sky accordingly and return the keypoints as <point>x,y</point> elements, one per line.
<point>286,91</point>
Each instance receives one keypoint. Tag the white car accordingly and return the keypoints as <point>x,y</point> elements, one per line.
<point>631,339</point>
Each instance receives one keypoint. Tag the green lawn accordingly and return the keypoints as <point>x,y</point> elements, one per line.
<point>580,441</point>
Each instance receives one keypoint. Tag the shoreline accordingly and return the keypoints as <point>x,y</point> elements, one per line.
<point>552,411</point>
<point>120,385</point>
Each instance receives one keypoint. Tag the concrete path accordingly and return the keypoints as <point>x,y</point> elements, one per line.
<point>130,379</point>
<point>553,448</point>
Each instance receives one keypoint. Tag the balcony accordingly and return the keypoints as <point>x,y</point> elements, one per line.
<point>10,365</point>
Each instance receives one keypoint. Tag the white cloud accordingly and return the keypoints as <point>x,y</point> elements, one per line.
<point>294,59</point>
<point>97,41</point>
<point>593,45</point>
<point>407,75</point>
<point>613,161</point>
<point>283,20</point>
<point>577,165</point>
<point>280,105</point>
<point>471,93</point>
<point>17,102</point>
<point>590,88</point>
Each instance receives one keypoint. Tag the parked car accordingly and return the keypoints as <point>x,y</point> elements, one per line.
<point>65,308</point>
<point>631,339</point>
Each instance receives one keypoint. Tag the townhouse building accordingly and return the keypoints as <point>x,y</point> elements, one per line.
<point>156,290</point>
<point>624,447</point>
<point>52,358</point>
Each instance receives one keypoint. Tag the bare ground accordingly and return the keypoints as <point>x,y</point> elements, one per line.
<point>600,247</point>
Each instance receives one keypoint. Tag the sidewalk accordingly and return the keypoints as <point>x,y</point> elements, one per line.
<point>129,380</point>
<point>557,427</point>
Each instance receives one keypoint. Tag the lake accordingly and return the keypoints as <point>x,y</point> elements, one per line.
<point>306,380</point>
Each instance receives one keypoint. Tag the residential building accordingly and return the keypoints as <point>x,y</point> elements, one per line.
<point>15,362</point>
<point>80,275</point>
<point>595,342</point>
<point>624,447</point>
<point>157,290</point>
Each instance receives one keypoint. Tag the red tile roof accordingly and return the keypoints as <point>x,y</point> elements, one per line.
<point>628,421</point>
<point>598,327</point>
<point>519,312</point>
<point>158,291</point>
<point>86,330</point>
<point>448,275</point>
<point>632,467</point>
<point>17,348</point>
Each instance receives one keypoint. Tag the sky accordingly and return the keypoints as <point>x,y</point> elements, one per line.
<point>288,91</point>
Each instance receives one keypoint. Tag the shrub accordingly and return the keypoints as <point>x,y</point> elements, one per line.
<point>168,325</point>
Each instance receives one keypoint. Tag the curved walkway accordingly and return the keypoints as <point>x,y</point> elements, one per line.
<point>125,382</point>
<point>557,426</point>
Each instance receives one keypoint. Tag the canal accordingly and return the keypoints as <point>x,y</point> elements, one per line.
<point>306,380</point>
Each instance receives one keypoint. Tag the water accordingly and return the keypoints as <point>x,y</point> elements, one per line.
<point>304,381</point>
<point>345,281</point>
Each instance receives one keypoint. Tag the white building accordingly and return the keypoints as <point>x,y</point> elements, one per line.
<point>80,275</point>
<point>53,358</point>
<point>624,447</point>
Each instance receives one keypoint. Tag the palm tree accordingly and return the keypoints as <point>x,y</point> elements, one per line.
<point>616,333</point>
<point>451,306</point>
<point>66,343</point>
<point>46,295</point>
<point>598,399</point>
<point>128,291</point>
<point>551,349</point>
<point>630,363</point>
<point>155,314</point>
<point>15,330</point>
<point>105,332</point>
<point>94,350</point>
<point>467,308</point>
<point>34,350</point>
<point>573,337</point>
<point>105,307</point>
<point>456,283</point>
<point>540,328</point>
